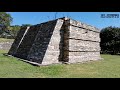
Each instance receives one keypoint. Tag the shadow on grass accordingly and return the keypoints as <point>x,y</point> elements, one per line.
<point>7,55</point>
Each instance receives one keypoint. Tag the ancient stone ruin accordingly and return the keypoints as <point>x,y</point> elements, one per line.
<point>60,40</point>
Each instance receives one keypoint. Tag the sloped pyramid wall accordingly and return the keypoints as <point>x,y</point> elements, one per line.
<point>60,40</point>
<point>45,49</point>
<point>16,42</point>
<point>40,43</point>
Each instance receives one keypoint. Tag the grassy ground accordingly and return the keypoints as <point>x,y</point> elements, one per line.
<point>11,67</point>
<point>6,40</point>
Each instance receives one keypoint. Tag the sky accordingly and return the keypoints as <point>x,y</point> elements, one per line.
<point>91,18</point>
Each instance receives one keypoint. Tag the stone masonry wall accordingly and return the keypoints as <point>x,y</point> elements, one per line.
<point>45,49</point>
<point>26,44</point>
<point>84,42</point>
<point>15,44</point>
<point>5,45</point>
<point>53,51</point>
<point>39,44</point>
<point>60,40</point>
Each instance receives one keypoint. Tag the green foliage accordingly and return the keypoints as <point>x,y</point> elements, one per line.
<point>14,30</point>
<point>25,25</point>
<point>5,21</point>
<point>110,40</point>
<point>6,29</point>
<point>6,40</point>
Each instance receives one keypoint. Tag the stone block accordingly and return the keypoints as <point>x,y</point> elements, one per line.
<point>80,45</point>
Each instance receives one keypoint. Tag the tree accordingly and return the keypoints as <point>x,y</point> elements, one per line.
<point>25,25</point>
<point>14,30</point>
<point>5,21</point>
<point>110,40</point>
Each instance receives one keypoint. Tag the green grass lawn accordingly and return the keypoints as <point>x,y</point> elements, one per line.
<point>6,40</point>
<point>11,67</point>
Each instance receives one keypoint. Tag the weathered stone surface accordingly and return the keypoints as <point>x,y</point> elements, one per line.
<point>5,45</point>
<point>27,42</point>
<point>83,56</point>
<point>81,45</point>
<point>15,44</point>
<point>84,34</point>
<point>60,40</point>
<point>46,44</point>
<point>84,42</point>
<point>83,25</point>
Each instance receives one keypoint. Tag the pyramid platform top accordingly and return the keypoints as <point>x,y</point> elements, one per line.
<point>80,24</point>
<point>75,23</point>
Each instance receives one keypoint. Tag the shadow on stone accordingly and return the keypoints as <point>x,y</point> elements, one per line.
<point>41,43</point>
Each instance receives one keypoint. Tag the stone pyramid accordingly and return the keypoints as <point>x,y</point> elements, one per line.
<point>60,40</point>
